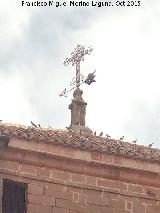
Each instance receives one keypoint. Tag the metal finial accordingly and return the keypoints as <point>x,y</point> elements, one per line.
<point>76,57</point>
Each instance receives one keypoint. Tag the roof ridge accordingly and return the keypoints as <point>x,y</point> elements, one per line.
<point>80,140</point>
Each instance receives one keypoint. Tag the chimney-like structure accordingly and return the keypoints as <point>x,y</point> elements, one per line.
<point>78,109</point>
<point>78,105</point>
<point>78,113</point>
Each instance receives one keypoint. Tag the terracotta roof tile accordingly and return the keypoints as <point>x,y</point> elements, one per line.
<point>82,141</point>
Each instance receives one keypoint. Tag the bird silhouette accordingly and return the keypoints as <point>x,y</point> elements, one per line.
<point>39,126</point>
<point>150,193</point>
<point>95,133</point>
<point>101,133</point>
<point>33,124</point>
<point>135,141</point>
<point>121,138</point>
<point>70,130</point>
<point>108,136</point>
<point>90,78</point>
<point>150,145</point>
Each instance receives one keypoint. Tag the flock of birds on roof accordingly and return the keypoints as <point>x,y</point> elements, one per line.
<point>100,134</point>
<point>121,138</point>
<point>148,192</point>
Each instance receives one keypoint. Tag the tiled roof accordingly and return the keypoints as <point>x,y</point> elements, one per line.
<point>80,141</point>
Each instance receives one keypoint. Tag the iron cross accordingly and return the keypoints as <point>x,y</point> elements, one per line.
<point>76,57</point>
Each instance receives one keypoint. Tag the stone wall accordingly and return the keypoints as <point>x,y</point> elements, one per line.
<point>57,191</point>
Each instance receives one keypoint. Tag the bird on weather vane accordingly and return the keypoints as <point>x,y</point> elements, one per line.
<point>76,57</point>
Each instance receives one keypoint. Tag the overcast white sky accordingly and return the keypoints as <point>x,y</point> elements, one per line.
<point>125,100</point>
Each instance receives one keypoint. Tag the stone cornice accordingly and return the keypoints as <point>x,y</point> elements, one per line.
<point>82,162</point>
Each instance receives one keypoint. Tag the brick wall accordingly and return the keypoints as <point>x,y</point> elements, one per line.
<point>1,192</point>
<point>66,180</point>
<point>56,191</point>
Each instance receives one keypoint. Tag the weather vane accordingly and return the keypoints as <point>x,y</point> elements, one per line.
<point>76,57</point>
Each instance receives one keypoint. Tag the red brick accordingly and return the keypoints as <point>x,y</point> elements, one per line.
<point>58,191</point>
<point>155,191</point>
<point>55,187</point>
<point>27,169</point>
<point>128,205</point>
<point>59,210</point>
<point>135,188</point>
<point>91,181</point>
<point>119,204</point>
<point>139,207</point>
<point>109,210</point>
<point>152,209</point>
<point>82,155</point>
<point>78,197</point>
<point>74,211</point>
<point>41,199</point>
<point>96,156</point>
<point>35,189</point>
<point>60,175</point>
<point>128,162</point>
<point>125,175</point>
<point>68,152</point>
<point>147,201</point>
<point>107,159</point>
<point>9,165</point>
<point>111,184</point>
<point>1,182</point>
<point>1,192</point>
<point>39,183</point>
<point>43,172</point>
<point>77,178</point>
<point>35,208</point>
<point>130,202</point>
<point>73,189</point>
<point>78,206</point>
<point>109,195</point>
<point>94,197</point>
<point>114,210</point>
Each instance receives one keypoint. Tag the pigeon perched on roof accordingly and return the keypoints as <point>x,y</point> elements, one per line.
<point>70,130</point>
<point>121,138</point>
<point>95,133</point>
<point>101,133</point>
<point>150,145</point>
<point>39,126</point>
<point>108,136</point>
<point>33,124</point>
<point>150,193</point>
<point>135,141</point>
